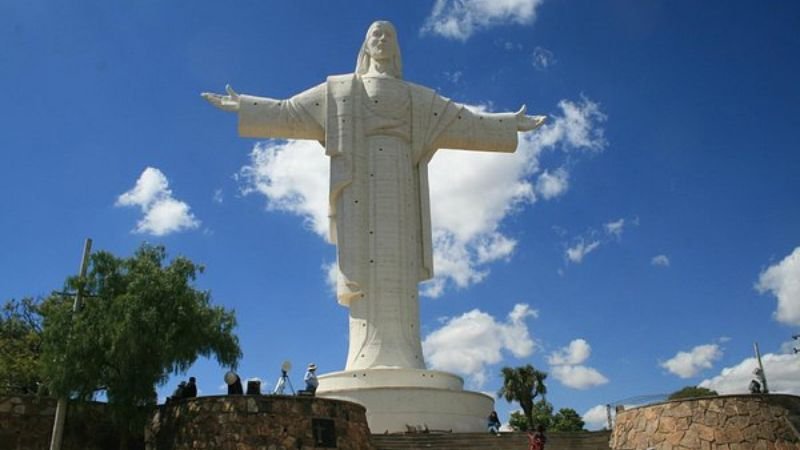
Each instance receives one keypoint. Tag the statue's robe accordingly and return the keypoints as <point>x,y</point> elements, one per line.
<point>380,134</point>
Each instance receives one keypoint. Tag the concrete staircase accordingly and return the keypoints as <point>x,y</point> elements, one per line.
<point>593,440</point>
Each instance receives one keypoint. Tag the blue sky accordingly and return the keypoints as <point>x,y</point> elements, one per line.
<point>640,242</point>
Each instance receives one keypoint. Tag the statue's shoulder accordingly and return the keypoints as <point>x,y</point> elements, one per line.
<point>420,89</point>
<point>342,78</point>
<point>425,94</point>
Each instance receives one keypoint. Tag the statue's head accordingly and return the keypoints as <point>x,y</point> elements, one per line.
<point>380,44</point>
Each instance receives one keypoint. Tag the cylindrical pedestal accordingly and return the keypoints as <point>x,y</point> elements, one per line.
<point>398,400</point>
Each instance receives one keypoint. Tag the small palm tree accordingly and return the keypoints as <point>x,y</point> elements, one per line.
<point>523,384</point>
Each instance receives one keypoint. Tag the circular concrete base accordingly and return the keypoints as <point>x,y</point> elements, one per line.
<point>401,399</point>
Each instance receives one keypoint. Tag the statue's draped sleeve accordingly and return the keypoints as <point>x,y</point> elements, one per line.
<point>299,117</point>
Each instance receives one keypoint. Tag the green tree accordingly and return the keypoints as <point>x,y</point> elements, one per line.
<point>523,384</point>
<point>518,421</point>
<point>20,347</point>
<point>692,392</point>
<point>567,419</point>
<point>141,321</point>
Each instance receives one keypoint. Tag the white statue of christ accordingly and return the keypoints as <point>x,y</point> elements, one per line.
<point>380,133</point>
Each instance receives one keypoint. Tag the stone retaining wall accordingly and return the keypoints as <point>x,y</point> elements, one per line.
<point>26,423</point>
<point>731,422</point>
<point>259,423</point>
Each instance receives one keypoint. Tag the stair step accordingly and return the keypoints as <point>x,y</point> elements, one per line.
<point>593,440</point>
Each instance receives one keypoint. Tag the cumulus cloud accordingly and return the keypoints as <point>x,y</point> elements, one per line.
<point>576,352</point>
<point>471,192</point>
<point>660,261</point>
<point>293,176</point>
<point>467,344</point>
<point>566,365</point>
<point>689,364</point>
<point>783,281</point>
<point>163,214</point>
<point>331,272</point>
<point>552,184</point>
<point>781,372</point>
<point>459,19</point>
<point>578,377</point>
<point>596,418</point>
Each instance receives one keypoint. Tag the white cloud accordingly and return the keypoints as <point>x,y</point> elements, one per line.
<point>566,366</point>
<point>593,239</point>
<point>578,377</point>
<point>468,343</point>
<point>577,252</point>
<point>596,418</point>
<point>293,176</point>
<point>783,281</point>
<point>471,192</point>
<point>542,58</point>
<point>576,352</point>
<point>615,228</point>
<point>660,261</point>
<point>459,19</point>
<point>552,184</point>
<point>689,364</point>
<point>331,271</point>
<point>781,372</point>
<point>163,214</point>
<point>576,128</point>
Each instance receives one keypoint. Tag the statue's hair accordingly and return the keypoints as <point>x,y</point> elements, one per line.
<point>362,64</point>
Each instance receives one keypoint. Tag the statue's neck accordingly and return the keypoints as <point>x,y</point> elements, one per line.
<point>380,69</point>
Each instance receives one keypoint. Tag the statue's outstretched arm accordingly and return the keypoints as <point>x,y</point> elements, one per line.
<point>228,102</point>
<point>299,117</point>
<point>475,130</point>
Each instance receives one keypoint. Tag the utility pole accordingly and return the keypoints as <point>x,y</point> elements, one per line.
<point>760,370</point>
<point>61,406</point>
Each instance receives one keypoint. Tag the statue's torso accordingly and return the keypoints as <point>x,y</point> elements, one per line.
<point>387,107</point>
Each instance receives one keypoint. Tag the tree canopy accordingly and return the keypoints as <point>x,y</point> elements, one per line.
<point>691,392</point>
<point>20,347</point>
<point>566,419</point>
<point>523,384</point>
<point>141,321</point>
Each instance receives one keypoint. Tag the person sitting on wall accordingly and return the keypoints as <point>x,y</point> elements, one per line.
<point>190,391</point>
<point>755,387</point>
<point>311,379</point>
<point>494,423</point>
<point>179,392</point>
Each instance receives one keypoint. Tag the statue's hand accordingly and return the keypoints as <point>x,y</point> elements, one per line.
<point>528,123</point>
<point>228,102</point>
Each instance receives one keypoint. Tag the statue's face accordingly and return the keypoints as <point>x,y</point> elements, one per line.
<point>381,41</point>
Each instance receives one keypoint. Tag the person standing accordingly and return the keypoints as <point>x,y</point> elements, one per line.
<point>537,440</point>
<point>311,379</point>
